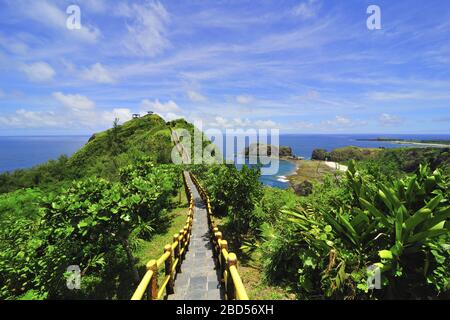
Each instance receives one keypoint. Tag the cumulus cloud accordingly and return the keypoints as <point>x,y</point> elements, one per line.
<point>98,73</point>
<point>38,72</point>
<point>31,119</point>
<point>386,119</point>
<point>195,96</point>
<point>74,111</point>
<point>147,28</point>
<point>171,116</point>
<point>123,114</point>
<point>157,106</point>
<point>343,122</point>
<point>74,102</point>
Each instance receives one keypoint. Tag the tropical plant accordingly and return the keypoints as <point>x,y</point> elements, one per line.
<point>400,226</point>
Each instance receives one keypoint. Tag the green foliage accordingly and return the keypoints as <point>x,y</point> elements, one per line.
<point>87,210</point>
<point>22,203</point>
<point>344,154</point>
<point>326,245</point>
<point>387,162</point>
<point>88,224</point>
<point>319,154</point>
<point>104,154</point>
<point>234,192</point>
<point>51,174</point>
<point>409,159</point>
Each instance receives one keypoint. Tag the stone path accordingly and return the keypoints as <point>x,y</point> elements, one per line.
<point>198,279</point>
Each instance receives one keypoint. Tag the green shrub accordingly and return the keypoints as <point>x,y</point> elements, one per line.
<point>401,226</point>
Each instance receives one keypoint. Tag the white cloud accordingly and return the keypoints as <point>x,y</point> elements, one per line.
<point>171,116</point>
<point>266,124</point>
<point>98,73</point>
<point>31,119</point>
<point>123,114</point>
<point>386,119</point>
<point>307,9</point>
<point>195,96</point>
<point>302,125</point>
<point>13,44</point>
<point>239,123</point>
<point>39,72</point>
<point>157,106</point>
<point>65,120</point>
<point>75,102</point>
<point>408,95</point>
<point>343,122</point>
<point>55,17</point>
<point>244,99</point>
<point>146,32</point>
<point>382,96</point>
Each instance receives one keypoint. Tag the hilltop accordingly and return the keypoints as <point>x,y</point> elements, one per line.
<point>102,155</point>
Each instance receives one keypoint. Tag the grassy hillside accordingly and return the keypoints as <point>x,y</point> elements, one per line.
<point>103,209</point>
<point>104,153</point>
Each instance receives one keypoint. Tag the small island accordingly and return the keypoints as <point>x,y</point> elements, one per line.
<point>267,150</point>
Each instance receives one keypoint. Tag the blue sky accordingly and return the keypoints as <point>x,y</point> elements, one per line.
<point>308,66</point>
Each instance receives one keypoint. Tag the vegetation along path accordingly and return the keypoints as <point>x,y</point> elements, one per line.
<point>198,279</point>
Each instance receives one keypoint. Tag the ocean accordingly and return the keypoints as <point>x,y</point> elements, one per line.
<point>25,152</point>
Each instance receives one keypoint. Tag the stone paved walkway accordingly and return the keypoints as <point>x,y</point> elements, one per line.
<point>198,279</point>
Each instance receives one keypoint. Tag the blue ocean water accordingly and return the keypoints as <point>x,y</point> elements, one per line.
<point>25,152</point>
<point>303,145</point>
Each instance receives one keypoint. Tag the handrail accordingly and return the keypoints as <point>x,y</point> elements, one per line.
<point>234,288</point>
<point>171,258</point>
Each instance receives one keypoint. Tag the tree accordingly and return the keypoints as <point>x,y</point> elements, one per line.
<point>319,154</point>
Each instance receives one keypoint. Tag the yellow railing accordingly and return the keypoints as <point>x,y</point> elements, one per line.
<point>227,261</point>
<point>171,259</point>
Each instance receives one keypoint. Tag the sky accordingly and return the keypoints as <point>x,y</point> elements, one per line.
<point>304,66</point>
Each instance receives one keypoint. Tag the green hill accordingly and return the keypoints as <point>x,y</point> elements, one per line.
<point>100,209</point>
<point>102,155</point>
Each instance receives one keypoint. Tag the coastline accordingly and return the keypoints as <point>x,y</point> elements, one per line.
<point>422,144</point>
<point>307,170</point>
<point>294,172</point>
<point>412,143</point>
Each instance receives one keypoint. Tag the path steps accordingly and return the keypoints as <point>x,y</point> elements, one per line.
<point>198,279</point>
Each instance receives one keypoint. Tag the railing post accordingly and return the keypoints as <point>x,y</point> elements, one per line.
<point>153,287</point>
<point>182,244</point>
<point>214,231</point>
<point>176,252</point>
<point>230,288</point>
<point>218,237</point>
<point>216,243</point>
<point>168,268</point>
<point>222,259</point>
<point>188,238</point>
